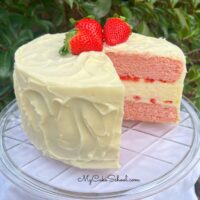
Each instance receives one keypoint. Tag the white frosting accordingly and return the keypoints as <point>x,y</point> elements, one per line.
<point>71,107</point>
<point>141,44</point>
<point>41,60</point>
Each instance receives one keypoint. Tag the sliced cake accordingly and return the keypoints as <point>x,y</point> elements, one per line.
<point>72,100</point>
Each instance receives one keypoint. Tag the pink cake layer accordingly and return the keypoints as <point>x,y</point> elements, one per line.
<point>150,112</point>
<point>146,66</point>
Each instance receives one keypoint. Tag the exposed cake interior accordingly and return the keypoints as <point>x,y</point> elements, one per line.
<point>150,112</point>
<point>146,66</point>
<point>153,77</point>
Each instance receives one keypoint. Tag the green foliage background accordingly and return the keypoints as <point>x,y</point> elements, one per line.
<point>176,20</point>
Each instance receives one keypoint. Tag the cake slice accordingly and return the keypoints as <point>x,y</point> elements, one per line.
<point>152,71</point>
<point>71,106</point>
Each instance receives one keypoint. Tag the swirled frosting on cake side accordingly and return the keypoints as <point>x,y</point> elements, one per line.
<point>72,106</point>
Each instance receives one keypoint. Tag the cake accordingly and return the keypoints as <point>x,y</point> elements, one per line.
<point>72,106</point>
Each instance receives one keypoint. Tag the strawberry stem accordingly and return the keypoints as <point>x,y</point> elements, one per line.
<point>66,47</point>
<point>122,18</point>
<point>74,21</point>
<point>116,15</point>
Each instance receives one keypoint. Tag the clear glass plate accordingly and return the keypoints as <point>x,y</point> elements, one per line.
<point>153,157</point>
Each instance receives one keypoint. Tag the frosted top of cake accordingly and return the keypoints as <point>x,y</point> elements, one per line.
<point>138,43</point>
<point>40,59</point>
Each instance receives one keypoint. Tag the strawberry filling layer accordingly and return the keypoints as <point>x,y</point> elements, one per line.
<point>137,98</point>
<point>148,67</point>
<point>149,112</point>
<point>137,79</point>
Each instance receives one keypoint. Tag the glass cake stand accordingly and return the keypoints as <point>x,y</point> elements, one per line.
<point>153,158</point>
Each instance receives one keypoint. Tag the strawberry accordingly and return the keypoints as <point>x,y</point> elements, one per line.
<point>116,31</point>
<point>92,25</point>
<point>78,41</point>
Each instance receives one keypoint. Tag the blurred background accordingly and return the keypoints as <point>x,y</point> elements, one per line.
<point>176,20</point>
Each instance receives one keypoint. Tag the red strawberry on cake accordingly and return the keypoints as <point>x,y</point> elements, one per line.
<point>92,25</point>
<point>116,31</point>
<point>80,40</point>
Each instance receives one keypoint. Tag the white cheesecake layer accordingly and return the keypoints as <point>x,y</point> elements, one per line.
<point>71,107</point>
<point>157,90</point>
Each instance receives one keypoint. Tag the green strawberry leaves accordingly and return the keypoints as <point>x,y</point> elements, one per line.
<point>66,47</point>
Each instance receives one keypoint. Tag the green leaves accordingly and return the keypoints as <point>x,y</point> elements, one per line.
<point>127,13</point>
<point>192,83</point>
<point>194,74</point>
<point>144,29</point>
<point>173,2</point>
<point>99,8</point>
<point>5,64</point>
<point>181,17</point>
<point>195,3</point>
<point>69,2</point>
<point>66,47</point>
<point>6,60</point>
